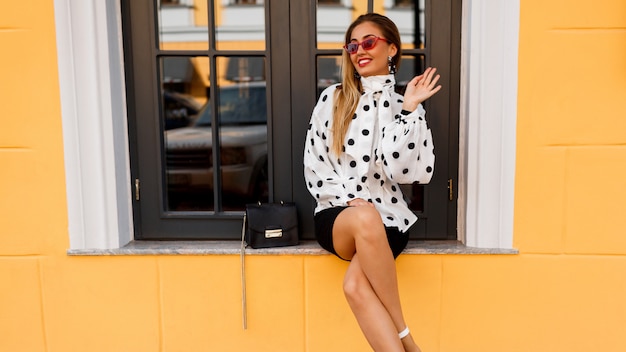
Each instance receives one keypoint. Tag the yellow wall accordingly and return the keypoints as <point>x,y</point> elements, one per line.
<point>564,291</point>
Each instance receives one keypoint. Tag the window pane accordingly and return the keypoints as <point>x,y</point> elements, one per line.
<point>183,24</point>
<point>243,131</point>
<point>328,72</point>
<point>240,27</point>
<point>332,21</point>
<point>414,196</point>
<point>187,149</point>
<point>410,20</point>
<point>410,66</point>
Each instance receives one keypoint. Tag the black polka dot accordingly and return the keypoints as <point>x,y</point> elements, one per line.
<point>411,145</point>
<point>312,141</point>
<point>365,132</point>
<point>393,188</point>
<point>390,218</point>
<point>366,108</point>
<point>394,200</point>
<point>326,123</point>
<point>350,195</point>
<point>405,171</point>
<point>321,158</point>
<point>426,143</point>
<point>396,155</point>
<point>387,80</point>
<point>377,176</point>
<point>359,188</point>
<point>354,116</point>
<point>323,136</point>
<point>366,158</point>
<point>406,222</point>
<point>378,200</point>
<point>374,103</point>
<point>429,169</point>
<point>400,101</point>
<point>310,185</point>
<point>317,196</point>
<point>324,97</point>
<point>363,179</point>
<point>350,141</point>
<point>382,182</point>
<point>320,183</point>
<point>386,104</point>
<point>353,163</point>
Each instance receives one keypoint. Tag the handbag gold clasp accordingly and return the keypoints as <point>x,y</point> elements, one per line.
<point>273,233</point>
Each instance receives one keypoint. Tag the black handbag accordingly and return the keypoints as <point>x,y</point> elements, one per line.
<point>271,225</point>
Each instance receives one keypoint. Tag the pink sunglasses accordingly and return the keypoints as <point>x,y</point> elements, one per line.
<point>367,44</point>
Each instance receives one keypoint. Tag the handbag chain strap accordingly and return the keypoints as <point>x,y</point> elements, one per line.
<point>244,305</point>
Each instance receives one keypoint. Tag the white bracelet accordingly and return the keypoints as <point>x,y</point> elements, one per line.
<point>404,333</point>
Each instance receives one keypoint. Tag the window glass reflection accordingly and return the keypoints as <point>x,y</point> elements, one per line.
<point>328,72</point>
<point>240,24</point>
<point>410,66</point>
<point>333,17</point>
<point>410,19</point>
<point>183,98</point>
<point>242,126</point>
<point>183,24</point>
<point>243,131</point>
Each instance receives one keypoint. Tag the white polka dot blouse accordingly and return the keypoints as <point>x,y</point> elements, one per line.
<point>384,147</point>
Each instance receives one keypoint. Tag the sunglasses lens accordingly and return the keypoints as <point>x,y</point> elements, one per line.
<point>352,48</point>
<point>368,44</point>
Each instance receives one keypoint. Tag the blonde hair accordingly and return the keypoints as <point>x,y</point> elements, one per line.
<point>348,93</point>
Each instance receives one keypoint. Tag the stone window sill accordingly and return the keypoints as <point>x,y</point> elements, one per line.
<point>304,248</point>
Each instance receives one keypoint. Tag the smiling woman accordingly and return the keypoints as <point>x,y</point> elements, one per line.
<point>363,141</point>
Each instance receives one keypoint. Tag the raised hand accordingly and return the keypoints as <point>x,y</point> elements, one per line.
<point>420,88</point>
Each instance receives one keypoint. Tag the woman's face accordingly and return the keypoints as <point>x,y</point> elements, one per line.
<point>374,61</point>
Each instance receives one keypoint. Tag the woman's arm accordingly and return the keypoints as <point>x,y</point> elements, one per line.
<point>407,143</point>
<point>407,148</point>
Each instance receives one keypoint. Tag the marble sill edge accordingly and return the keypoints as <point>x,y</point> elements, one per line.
<point>138,248</point>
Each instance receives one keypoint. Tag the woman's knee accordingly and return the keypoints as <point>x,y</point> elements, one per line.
<point>368,224</point>
<point>364,217</point>
<point>354,287</point>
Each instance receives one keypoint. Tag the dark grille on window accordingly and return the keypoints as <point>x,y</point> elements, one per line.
<point>184,159</point>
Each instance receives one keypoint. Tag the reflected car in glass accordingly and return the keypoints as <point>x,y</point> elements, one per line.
<point>179,109</point>
<point>243,139</point>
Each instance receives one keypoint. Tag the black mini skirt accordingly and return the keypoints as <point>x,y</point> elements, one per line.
<point>325,219</point>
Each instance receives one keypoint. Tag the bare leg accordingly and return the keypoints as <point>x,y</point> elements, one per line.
<point>359,234</point>
<point>372,316</point>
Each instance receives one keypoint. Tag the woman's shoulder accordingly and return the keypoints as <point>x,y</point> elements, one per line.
<point>329,91</point>
<point>326,98</point>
